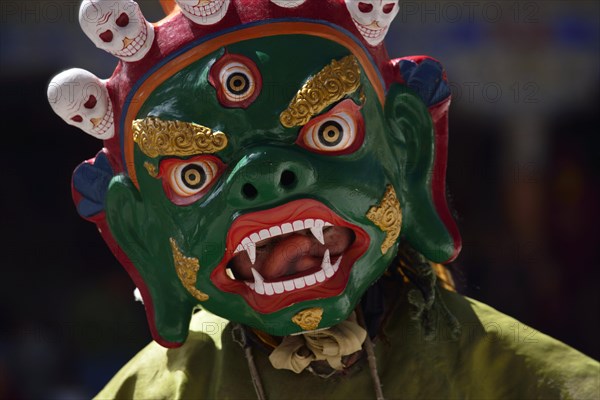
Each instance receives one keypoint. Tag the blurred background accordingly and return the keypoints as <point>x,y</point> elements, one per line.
<point>523,179</point>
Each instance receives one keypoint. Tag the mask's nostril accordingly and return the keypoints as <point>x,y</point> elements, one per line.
<point>288,179</point>
<point>249,191</point>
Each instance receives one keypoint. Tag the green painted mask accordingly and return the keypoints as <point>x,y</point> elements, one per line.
<point>269,175</point>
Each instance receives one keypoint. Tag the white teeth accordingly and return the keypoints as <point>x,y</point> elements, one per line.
<point>326,266</point>
<point>204,11</point>
<point>320,276</point>
<point>336,266</point>
<point>257,276</point>
<point>278,287</point>
<point>250,248</point>
<point>370,33</point>
<point>299,283</point>
<point>229,273</point>
<point>298,225</point>
<point>288,285</point>
<point>317,230</point>
<point>310,280</point>
<point>269,288</point>
<point>259,286</point>
<point>249,243</point>
<point>326,260</point>
<point>287,228</point>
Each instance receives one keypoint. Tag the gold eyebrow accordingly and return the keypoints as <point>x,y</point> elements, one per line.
<point>156,137</point>
<point>331,84</point>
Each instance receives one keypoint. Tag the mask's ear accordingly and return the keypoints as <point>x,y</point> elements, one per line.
<point>134,228</point>
<point>125,214</point>
<point>427,224</point>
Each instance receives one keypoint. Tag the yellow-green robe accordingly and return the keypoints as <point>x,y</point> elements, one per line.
<point>495,357</point>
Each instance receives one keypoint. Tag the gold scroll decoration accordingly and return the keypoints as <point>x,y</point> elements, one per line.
<point>156,137</point>
<point>151,168</point>
<point>328,86</point>
<point>187,270</point>
<point>308,319</point>
<point>388,217</point>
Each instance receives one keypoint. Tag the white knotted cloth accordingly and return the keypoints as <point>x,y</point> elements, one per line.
<point>329,344</point>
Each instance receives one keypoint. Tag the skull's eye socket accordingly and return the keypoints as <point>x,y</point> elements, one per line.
<point>236,79</point>
<point>365,7</point>
<point>91,102</point>
<point>185,181</point>
<point>388,8</point>
<point>123,20</point>
<point>340,131</point>
<point>106,36</point>
<point>77,118</point>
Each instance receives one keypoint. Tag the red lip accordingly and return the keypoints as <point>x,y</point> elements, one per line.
<point>248,224</point>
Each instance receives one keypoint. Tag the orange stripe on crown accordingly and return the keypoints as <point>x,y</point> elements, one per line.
<point>169,6</point>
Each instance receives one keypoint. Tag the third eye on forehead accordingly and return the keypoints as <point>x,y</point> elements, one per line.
<point>238,83</point>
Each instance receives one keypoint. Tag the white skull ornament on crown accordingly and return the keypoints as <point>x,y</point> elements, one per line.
<point>81,99</point>
<point>204,12</point>
<point>373,18</point>
<point>117,26</point>
<point>288,3</point>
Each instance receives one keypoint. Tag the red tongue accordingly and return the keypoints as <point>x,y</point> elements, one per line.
<point>291,255</point>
